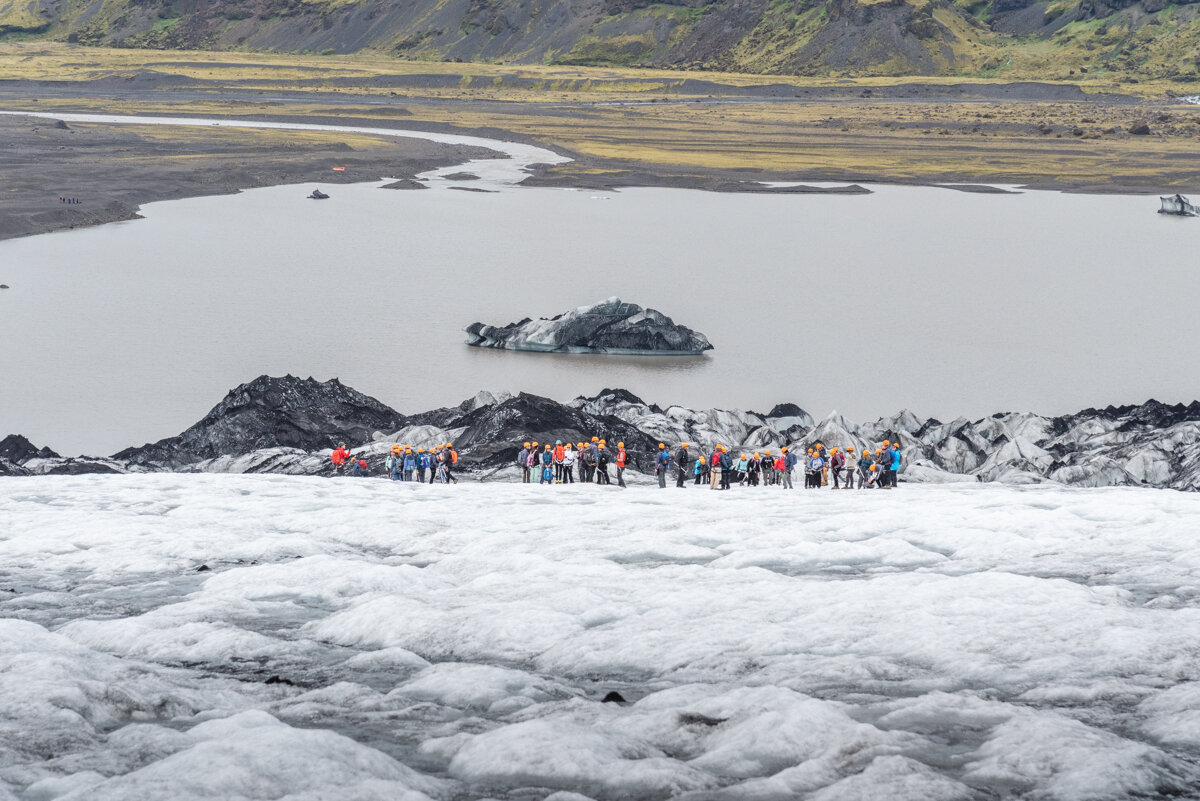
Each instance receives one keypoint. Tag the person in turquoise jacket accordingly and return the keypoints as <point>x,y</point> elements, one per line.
<point>895,466</point>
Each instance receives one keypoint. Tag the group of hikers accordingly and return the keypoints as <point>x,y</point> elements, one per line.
<point>555,464</point>
<point>403,463</point>
<point>544,463</point>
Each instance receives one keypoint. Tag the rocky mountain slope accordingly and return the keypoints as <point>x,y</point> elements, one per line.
<point>1153,38</point>
<point>288,425</point>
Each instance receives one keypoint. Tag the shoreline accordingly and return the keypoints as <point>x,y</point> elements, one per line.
<point>40,167</point>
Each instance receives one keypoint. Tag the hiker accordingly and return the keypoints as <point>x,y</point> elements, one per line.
<point>568,465</point>
<point>546,462</point>
<point>410,463</point>
<point>864,468</point>
<point>662,461</point>
<point>682,462</point>
<point>360,468</point>
<point>602,465</point>
<point>559,452</point>
<point>339,457</point>
<point>699,469</point>
<point>816,464</point>
<point>789,463</point>
<point>752,467</point>
<point>622,460</point>
<point>392,463</point>
<point>837,460</point>
<point>894,468</point>
<point>714,468</point>
<point>422,464</point>
<point>849,468</point>
<point>523,462</point>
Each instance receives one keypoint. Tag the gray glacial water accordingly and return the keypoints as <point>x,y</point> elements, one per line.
<point>944,302</point>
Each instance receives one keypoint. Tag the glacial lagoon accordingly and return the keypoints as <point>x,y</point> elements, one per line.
<point>945,302</point>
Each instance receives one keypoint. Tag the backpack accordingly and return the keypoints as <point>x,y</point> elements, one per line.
<point>453,456</point>
<point>547,473</point>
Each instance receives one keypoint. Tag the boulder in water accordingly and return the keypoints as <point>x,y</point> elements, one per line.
<point>609,327</point>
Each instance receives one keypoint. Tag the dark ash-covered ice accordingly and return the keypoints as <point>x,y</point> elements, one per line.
<point>609,327</point>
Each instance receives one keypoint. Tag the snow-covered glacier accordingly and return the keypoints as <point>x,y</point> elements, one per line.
<point>189,636</point>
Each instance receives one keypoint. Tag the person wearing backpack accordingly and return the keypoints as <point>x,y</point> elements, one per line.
<point>789,463</point>
<point>339,458</point>
<point>662,461</point>
<point>410,464</point>
<point>422,465</point>
<point>622,460</point>
<point>360,468</point>
<point>451,462</point>
<point>714,468</point>
<point>837,461</point>
<point>391,463</point>
<point>546,465</point>
<point>682,462</point>
<point>602,465</point>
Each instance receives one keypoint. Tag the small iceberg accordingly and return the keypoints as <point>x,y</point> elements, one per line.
<point>1178,205</point>
<point>610,327</point>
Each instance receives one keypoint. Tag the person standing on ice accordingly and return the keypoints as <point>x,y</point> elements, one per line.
<point>523,462</point>
<point>662,461</point>
<point>789,463</point>
<point>837,460</point>
<point>422,465</point>
<point>682,462</point>
<point>546,460</point>
<point>602,465</point>
<point>714,468</point>
<point>699,469</point>
<point>451,463</point>
<point>593,457</point>
<point>410,463</point>
<point>894,468</point>
<point>558,452</point>
<point>389,463</point>
<point>339,457</point>
<point>815,465</point>
<point>622,458</point>
<point>568,465</point>
<point>849,468</point>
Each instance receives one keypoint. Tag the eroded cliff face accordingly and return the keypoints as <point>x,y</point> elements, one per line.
<point>610,326</point>
<point>288,425</point>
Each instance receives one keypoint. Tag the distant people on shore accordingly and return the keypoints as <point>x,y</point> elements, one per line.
<point>846,467</point>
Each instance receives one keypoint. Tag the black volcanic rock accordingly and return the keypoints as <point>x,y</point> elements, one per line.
<point>610,327</point>
<point>18,450</point>
<point>7,468</point>
<point>490,431</point>
<point>274,412</point>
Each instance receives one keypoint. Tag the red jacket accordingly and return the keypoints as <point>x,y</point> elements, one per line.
<point>340,456</point>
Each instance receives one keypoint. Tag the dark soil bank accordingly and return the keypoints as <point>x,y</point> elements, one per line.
<point>112,169</point>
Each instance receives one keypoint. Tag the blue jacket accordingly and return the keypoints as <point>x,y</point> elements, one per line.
<point>789,461</point>
<point>896,459</point>
<point>410,462</point>
<point>816,463</point>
